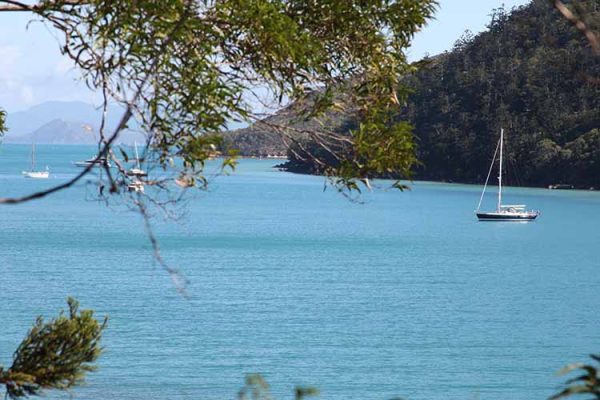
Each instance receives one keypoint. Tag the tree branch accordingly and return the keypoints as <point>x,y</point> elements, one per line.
<point>580,25</point>
<point>179,280</point>
<point>12,5</point>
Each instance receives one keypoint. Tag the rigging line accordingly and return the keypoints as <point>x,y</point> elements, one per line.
<point>488,176</point>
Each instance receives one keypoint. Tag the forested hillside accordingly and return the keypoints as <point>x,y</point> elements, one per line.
<point>532,73</point>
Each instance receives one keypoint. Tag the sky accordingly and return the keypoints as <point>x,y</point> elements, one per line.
<point>33,71</point>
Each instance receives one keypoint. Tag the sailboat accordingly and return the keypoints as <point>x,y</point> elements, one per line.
<point>503,212</point>
<point>137,170</point>
<point>33,173</point>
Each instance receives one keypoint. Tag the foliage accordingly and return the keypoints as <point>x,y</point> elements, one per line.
<point>184,68</point>
<point>55,354</point>
<point>586,384</point>
<point>257,388</point>
<point>2,121</point>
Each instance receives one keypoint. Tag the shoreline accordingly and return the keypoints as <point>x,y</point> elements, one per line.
<point>560,187</point>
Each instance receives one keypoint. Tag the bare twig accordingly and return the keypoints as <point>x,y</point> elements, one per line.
<point>179,280</point>
<point>11,5</point>
<point>580,25</point>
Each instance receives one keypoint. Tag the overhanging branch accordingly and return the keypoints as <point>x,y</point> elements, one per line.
<point>11,5</point>
<point>580,25</point>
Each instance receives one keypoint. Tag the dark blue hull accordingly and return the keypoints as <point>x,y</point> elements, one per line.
<point>482,216</point>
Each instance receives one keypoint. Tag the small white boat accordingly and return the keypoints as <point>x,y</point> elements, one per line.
<point>137,172</point>
<point>37,174</point>
<point>503,212</point>
<point>33,173</point>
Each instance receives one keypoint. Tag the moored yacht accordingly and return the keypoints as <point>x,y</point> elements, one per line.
<point>503,212</point>
<point>32,173</point>
<point>137,170</point>
<point>508,213</point>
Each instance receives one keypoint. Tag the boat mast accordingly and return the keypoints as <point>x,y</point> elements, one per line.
<point>137,157</point>
<point>487,179</point>
<point>500,173</point>
<point>33,156</point>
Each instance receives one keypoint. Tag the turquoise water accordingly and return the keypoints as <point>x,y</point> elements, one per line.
<point>405,295</point>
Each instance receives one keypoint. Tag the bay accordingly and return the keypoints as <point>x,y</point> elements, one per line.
<point>404,294</point>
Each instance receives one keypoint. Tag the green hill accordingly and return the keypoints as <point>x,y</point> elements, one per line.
<point>532,73</point>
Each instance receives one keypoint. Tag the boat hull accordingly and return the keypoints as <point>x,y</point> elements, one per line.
<point>36,174</point>
<point>495,216</point>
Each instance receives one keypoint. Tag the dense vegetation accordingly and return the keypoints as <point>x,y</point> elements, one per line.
<point>532,73</point>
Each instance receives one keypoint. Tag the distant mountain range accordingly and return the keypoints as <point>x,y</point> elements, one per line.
<point>58,131</point>
<point>58,122</point>
<point>68,122</point>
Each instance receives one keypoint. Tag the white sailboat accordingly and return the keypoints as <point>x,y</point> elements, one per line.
<point>33,173</point>
<point>137,170</point>
<point>136,184</point>
<point>503,212</point>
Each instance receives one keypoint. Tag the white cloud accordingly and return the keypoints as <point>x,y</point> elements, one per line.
<point>32,69</point>
<point>26,80</point>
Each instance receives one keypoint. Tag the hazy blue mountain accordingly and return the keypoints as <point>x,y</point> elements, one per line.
<point>58,131</point>
<point>25,122</point>
<point>59,122</point>
<point>69,122</point>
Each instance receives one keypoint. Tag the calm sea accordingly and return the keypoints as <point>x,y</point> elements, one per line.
<point>405,295</point>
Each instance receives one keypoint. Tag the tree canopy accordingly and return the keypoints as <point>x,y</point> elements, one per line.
<point>185,68</point>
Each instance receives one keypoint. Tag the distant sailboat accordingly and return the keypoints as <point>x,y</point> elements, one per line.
<point>136,185</point>
<point>137,170</point>
<point>33,173</point>
<point>503,212</point>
